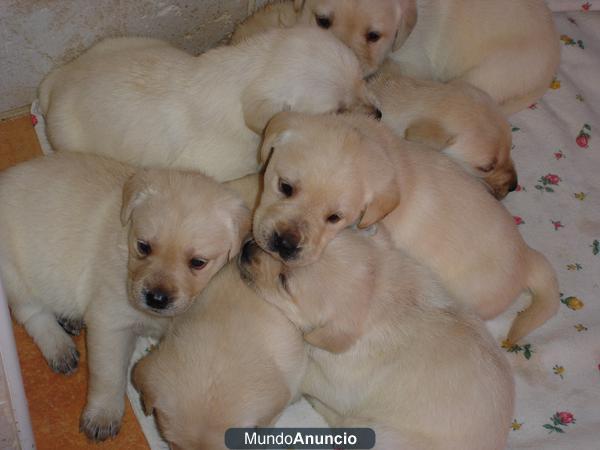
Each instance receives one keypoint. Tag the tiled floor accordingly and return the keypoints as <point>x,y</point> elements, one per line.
<point>55,401</point>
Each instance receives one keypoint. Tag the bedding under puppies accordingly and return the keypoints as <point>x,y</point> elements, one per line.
<point>389,348</point>
<point>232,361</point>
<point>325,173</point>
<point>456,118</point>
<point>147,103</point>
<point>89,241</point>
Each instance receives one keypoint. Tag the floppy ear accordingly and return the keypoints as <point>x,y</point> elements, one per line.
<point>259,107</point>
<point>430,132</point>
<point>407,10</point>
<point>298,4</point>
<point>135,191</point>
<point>383,192</point>
<point>139,379</point>
<point>239,227</point>
<point>332,339</point>
<point>278,130</point>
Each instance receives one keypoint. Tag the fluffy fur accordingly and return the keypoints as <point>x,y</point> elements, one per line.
<point>233,361</point>
<point>509,49</point>
<point>371,28</point>
<point>457,118</point>
<point>327,172</point>
<point>389,348</point>
<point>145,102</point>
<point>65,257</point>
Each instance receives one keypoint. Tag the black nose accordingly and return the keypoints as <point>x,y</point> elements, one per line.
<point>157,299</point>
<point>248,251</point>
<point>513,185</point>
<point>285,244</point>
<point>377,114</point>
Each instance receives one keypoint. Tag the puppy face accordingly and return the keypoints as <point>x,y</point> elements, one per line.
<point>183,229</point>
<point>307,198</point>
<point>371,28</point>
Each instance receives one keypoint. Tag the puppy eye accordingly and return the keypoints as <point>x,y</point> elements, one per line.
<point>197,263</point>
<point>488,168</point>
<point>334,218</point>
<point>143,248</point>
<point>286,188</point>
<point>323,21</point>
<point>373,36</point>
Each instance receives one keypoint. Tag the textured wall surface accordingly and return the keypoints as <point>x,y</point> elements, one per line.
<point>36,35</point>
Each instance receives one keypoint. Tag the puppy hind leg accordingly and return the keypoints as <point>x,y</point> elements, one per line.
<point>55,344</point>
<point>545,299</point>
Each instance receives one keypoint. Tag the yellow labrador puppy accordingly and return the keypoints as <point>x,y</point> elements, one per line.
<point>457,118</point>
<point>389,348</point>
<point>372,28</point>
<point>509,49</point>
<point>145,102</point>
<point>232,361</point>
<point>66,258</point>
<point>325,173</point>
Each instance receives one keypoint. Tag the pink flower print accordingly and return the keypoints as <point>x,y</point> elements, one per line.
<point>546,182</point>
<point>565,418</point>
<point>557,225</point>
<point>533,106</point>
<point>34,120</point>
<point>519,220</point>
<point>559,420</point>
<point>552,179</point>
<point>584,136</point>
<point>559,155</point>
<point>586,6</point>
<point>519,188</point>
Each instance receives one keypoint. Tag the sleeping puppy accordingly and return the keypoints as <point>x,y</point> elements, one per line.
<point>145,102</point>
<point>232,361</point>
<point>385,338</point>
<point>371,28</point>
<point>325,173</point>
<point>509,49</point>
<point>66,258</point>
<point>457,118</point>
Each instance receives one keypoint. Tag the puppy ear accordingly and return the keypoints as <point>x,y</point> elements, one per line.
<point>430,132</point>
<point>239,225</point>
<point>298,4</point>
<point>135,191</point>
<point>259,107</point>
<point>383,193</point>
<point>277,131</point>
<point>332,339</point>
<point>407,19</point>
<point>139,379</point>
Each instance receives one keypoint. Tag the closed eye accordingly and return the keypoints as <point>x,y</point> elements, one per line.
<point>488,168</point>
<point>323,21</point>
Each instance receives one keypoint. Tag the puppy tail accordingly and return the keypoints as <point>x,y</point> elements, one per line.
<point>545,297</point>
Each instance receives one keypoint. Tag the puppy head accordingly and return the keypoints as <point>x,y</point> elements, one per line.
<point>183,227</point>
<point>322,175</point>
<point>322,75</point>
<point>333,294</point>
<point>371,28</point>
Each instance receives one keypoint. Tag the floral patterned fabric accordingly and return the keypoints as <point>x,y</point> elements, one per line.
<point>557,209</point>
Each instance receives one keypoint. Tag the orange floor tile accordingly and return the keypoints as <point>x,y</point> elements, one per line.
<point>55,401</point>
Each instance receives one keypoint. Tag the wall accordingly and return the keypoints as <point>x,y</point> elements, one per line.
<point>36,35</point>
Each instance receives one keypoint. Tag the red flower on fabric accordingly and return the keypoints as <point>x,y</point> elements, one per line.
<point>34,120</point>
<point>518,220</point>
<point>586,6</point>
<point>552,179</point>
<point>583,140</point>
<point>565,417</point>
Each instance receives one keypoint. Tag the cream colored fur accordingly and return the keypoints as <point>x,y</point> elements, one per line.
<point>64,256</point>
<point>145,102</point>
<point>509,49</point>
<point>358,170</point>
<point>390,349</point>
<point>233,361</point>
<point>456,118</point>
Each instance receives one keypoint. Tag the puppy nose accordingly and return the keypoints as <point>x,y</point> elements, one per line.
<point>377,114</point>
<point>514,184</point>
<point>157,298</point>
<point>285,244</point>
<point>248,250</point>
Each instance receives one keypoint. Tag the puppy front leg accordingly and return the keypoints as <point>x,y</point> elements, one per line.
<point>109,352</point>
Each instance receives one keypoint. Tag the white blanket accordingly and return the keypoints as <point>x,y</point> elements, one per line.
<point>557,153</point>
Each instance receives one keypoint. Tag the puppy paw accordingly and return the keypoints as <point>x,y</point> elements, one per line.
<point>65,362</point>
<point>100,425</point>
<point>71,325</point>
